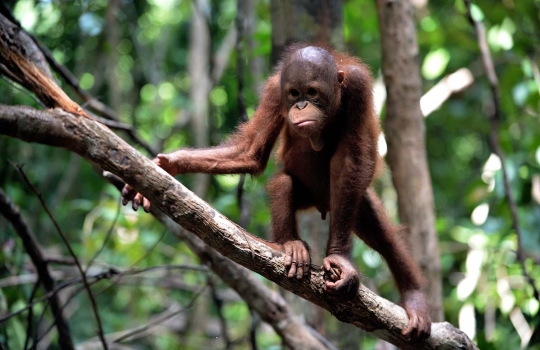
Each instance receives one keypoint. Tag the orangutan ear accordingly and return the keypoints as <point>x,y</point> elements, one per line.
<point>340,76</point>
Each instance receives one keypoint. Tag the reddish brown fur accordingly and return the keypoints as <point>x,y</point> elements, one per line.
<point>337,102</point>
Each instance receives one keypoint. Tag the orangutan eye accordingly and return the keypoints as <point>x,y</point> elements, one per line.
<point>294,93</point>
<point>312,92</point>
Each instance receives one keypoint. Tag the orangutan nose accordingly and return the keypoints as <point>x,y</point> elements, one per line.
<point>301,104</point>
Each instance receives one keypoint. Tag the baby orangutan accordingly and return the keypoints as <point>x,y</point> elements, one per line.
<point>321,104</point>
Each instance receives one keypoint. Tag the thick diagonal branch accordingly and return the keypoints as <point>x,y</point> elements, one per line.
<point>99,145</point>
<point>269,304</point>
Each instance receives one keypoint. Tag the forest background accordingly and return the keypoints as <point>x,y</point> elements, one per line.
<point>182,73</point>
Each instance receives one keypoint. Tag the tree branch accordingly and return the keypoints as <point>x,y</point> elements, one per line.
<point>30,316</point>
<point>159,320</point>
<point>25,48</point>
<point>31,245</point>
<point>166,320</point>
<point>218,303</point>
<point>15,60</point>
<point>71,252</point>
<point>494,143</point>
<point>99,145</point>
<point>268,304</point>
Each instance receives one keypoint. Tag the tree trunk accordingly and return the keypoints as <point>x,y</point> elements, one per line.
<point>405,133</point>
<point>199,72</point>
<point>256,63</point>
<point>113,39</point>
<point>317,21</point>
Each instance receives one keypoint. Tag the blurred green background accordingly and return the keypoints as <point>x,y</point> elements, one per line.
<point>485,292</point>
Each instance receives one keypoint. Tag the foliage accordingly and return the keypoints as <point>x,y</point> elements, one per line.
<point>484,289</point>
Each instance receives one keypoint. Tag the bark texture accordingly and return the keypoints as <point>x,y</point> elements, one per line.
<point>23,66</point>
<point>405,133</point>
<point>268,304</point>
<point>99,145</point>
<point>272,308</point>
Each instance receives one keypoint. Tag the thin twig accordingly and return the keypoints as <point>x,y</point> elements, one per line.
<point>107,237</point>
<point>93,103</point>
<point>15,87</point>
<point>30,316</point>
<point>64,305</point>
<point>494,143</point>
<point>37,338</point>
<point>319,336</point>
<point>110,273</point>
<point>219,307</point>
<point>56,289</point>
<point>72,253</point>
<point>254,324</point>
<point>12,213</point>
<point>113,124</point>
<point>149,251</point>
<point>144,256</point>
<point>133,272</point>
<point>120,275</point>
<point>59,260</point>
<point>160,320</point>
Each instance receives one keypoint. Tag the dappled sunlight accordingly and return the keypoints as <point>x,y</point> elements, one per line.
<point>480,214</point>
<point>130,215</point>
<point>435,63</point>
<point>89,220</point>
<point>522,326</point>
<point>500,36</point>
<point>473,263</point>
<point>438,94</point>
<point>419,3</point>
<point>507,306</point>
<point>493,164</point>
<point>382,146</point>
<point>379,93</point>
<point>505,292</point>
<point>467,320</point>
<point>536,188</point>
<point>227,182</point>
<point>127,236</point>
<point>129,65</point>
<point>26,13</point>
